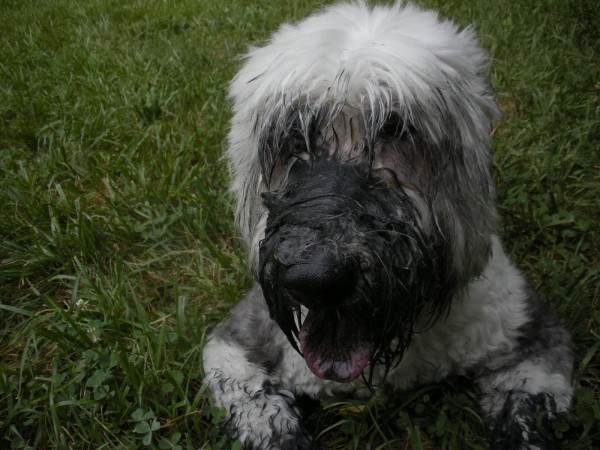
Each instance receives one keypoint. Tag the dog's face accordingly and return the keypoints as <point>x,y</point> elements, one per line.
<point>350,256</point>
<point>361,180</point>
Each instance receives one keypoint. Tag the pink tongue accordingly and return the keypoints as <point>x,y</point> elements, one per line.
<point>334,349</point>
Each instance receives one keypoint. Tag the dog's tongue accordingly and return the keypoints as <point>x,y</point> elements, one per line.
<point>334,348</point>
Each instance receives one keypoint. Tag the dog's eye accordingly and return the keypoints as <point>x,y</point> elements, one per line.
<point>395,127</point>
<point>296,164</point>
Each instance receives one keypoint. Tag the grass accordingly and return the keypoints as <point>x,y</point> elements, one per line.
<point>117,247</point>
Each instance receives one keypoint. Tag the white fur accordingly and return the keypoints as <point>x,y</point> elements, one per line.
<point>373,61</point>
<point>351,66</point>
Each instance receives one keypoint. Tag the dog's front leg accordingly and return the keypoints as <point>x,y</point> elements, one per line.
<point>241,363</point>
<point>522,397</point>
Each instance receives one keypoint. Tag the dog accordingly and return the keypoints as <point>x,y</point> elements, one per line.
<point>359,157</point>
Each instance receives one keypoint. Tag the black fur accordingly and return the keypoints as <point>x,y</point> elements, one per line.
<point>523,423</point>
<point>352,220</point>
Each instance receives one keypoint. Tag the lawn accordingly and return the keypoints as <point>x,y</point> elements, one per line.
<point>117,245</point>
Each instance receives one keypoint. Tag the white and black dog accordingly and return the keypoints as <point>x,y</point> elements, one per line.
<point>360,169</point>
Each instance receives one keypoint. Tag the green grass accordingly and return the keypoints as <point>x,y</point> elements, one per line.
<point>117,247</point>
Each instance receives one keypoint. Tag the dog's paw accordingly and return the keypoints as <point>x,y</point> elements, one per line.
<point>523,423</point>
<point>265,419</point>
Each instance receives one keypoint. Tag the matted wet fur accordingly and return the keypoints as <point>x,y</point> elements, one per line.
<point>360,169</point>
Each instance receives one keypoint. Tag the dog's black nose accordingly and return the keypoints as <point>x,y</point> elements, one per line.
<point>322,282</point>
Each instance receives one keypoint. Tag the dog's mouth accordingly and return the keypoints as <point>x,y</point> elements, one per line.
<point>335,346</point>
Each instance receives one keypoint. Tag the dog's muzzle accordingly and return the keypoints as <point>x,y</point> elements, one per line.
<point>322,288</point>
<point>338,266</point>
<point>346,269</point>
<point>310,271</point>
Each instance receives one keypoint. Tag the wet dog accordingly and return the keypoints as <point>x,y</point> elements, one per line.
<point>359,157</point>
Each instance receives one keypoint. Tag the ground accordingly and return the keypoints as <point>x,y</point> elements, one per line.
<point>118,250</point>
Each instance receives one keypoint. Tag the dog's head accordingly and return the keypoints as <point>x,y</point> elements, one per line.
<point>359,155</point>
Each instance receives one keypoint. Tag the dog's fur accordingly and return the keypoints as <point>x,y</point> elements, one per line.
<point>359,155</point>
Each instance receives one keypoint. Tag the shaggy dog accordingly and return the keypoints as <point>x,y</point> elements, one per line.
<point>360,169</point>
